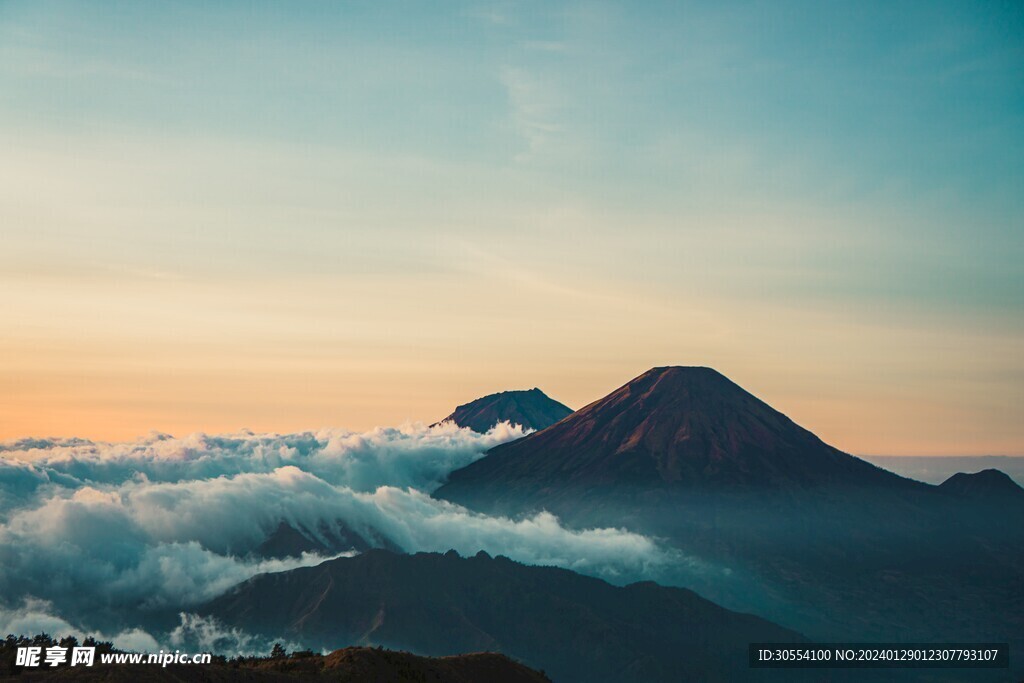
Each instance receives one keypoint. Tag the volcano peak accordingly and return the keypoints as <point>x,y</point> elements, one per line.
<point>531,408</point>
<point>672,427</point>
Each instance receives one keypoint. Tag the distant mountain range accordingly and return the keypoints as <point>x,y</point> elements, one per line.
<point>935,469</point>
<point>531,409</point>
<point>991,485</point>
<point>574,627</point>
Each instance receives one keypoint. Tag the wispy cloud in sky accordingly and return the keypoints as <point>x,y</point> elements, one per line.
<point>534,110</point>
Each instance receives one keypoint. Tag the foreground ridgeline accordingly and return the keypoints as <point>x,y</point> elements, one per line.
<point>352,664</point>
<point>574,627</point>
<point>531,409</point>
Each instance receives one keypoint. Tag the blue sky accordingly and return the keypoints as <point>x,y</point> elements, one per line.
<point>364,212</point>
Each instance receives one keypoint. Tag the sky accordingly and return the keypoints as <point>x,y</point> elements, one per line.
<point>286,216</point>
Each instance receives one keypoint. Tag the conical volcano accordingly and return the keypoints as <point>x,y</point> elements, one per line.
<point>670,428</point>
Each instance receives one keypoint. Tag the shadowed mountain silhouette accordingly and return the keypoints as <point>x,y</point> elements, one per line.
<point>674,428</point>
<point>574,627</point>
<point>532,409</point>
<point>832,545</point>
<point>989,483</point>
<point>288,541</point>
<point>349,664</point>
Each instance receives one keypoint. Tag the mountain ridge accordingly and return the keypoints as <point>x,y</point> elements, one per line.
<point>530,408</point>
<point>574,627</point>
<point>986,483</point>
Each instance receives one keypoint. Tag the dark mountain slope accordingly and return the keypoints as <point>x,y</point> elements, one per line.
<point>987,484</point>
<point>532,409</point>
<point>574,627</point>
<point>352,665</point>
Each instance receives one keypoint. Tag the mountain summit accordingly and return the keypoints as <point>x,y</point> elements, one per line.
<point>532,409</point>
<point>986,484</point>
<point>670,428</point>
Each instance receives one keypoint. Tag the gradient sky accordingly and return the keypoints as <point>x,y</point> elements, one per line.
<point>291,215</point>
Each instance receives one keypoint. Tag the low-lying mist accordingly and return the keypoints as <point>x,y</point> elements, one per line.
<point>105,538</point>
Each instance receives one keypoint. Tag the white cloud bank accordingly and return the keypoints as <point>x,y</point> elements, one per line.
<point>108,536</point>
<point>411,455</point>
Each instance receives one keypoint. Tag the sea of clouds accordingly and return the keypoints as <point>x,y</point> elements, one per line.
<point>108,539</point>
